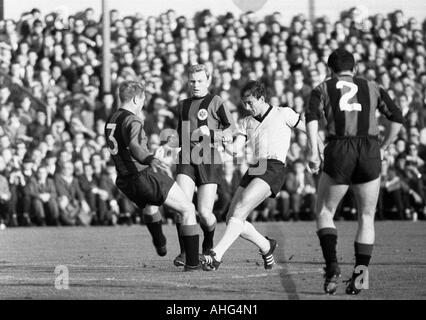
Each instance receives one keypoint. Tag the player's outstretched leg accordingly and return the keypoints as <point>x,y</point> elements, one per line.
<point>366,195</point>
<point>153,221</point>
<point>266,245</point>
<point>244,201</point>
<point>177,200</point>
<point>206,198</point>
<point>329,196</point>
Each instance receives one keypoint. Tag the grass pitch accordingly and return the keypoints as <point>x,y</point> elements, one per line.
<point>121,263</point>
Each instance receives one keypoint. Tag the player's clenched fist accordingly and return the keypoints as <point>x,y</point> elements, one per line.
<point>314,162</point>
<point>204,131</point>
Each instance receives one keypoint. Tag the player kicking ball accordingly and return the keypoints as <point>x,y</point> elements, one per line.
<point>268,129</point>
<point>352,157</point>
<point>143,178</point>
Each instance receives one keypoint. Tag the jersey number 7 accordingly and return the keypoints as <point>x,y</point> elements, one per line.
<point>344,100</point>
<point>114,149</point>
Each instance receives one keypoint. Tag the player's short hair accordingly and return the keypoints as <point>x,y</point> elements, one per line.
<point>130,89</point>
<point>253,88</point>
<point>198,68</point>
<point>341,60</point>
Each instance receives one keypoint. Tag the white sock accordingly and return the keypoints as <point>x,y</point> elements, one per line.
<point>232,232</point>
<point>251,234</point>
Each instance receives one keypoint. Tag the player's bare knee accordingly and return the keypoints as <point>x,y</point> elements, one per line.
<point>240,213</point>
<point>205,213</point>
<point>366,218</point>
<point>188,209</point>
<point>326,212</point>
<point>284,195</point>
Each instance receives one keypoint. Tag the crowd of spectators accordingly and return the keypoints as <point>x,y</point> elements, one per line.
<point>55,167</point>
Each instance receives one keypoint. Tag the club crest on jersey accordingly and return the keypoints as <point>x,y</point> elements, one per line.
<point>202,114</point>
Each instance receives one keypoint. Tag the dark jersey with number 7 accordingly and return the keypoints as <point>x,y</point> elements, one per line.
<point>349,106</point>
<point>127,142</point>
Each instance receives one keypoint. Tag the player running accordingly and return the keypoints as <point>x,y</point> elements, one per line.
<point>351,157</point>
<point>141,177</point>
<point>204,120</point>
<point>268,130</point>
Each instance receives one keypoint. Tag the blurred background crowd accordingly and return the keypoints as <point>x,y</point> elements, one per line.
<point>55,167</point>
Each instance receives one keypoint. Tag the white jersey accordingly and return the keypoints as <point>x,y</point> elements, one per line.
<point>269,137</point>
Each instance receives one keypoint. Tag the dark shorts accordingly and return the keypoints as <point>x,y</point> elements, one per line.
<point>204,173</point>
<point>146,188</point>
<point>274,176</point>
<point>352,160</point>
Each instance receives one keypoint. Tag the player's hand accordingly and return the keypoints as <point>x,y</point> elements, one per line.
<point>173,141</point>
<point>204,131</point>
<point>158,165</point>
<point>382,154</point>
<point>227,137</point>
<point>314,163</point>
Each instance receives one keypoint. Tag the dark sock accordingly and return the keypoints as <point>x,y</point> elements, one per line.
<point>190,239</point>
<point>154,225</point>
<point>362,254</point>
<point>208,236</point>
<point>328,242</point>
<point>181,244</point>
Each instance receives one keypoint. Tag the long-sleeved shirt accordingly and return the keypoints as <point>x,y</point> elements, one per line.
<point>127,142</point>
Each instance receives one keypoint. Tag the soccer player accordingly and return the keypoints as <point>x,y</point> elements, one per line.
<point>204,120</point>
<point>268,130</point>
<point>352,157</point>
<point>141,176</point>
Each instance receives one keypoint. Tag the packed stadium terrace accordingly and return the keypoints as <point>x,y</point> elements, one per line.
<point>55,168</point>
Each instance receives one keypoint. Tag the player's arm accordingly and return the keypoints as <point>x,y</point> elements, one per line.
<point>236,149</point>
<point>387,107</point>
<point>227,121</point>
<point>179,127</point>
<point>138,147</point>
<point>315,144</point>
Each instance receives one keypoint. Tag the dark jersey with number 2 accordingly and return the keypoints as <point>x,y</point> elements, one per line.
<point>127,142</point>
<point>349,105</point>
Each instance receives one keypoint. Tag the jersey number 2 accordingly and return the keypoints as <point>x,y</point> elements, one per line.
<point>114,149</point>
<point>344,100</point>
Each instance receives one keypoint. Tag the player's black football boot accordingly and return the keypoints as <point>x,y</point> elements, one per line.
<point>209,261</point>
<point>268,258</point>
<point>161,250</point>
<point>351,287</point>
<point>180,259</point>
<point>331,277</point>
<point>160,246</point>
